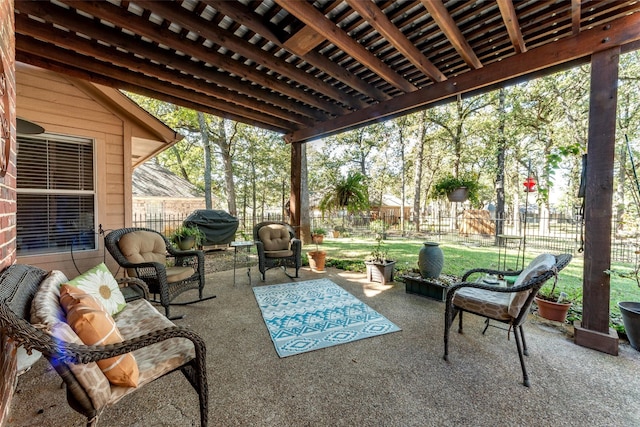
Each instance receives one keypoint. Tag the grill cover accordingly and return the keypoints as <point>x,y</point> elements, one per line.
<point>219,227</point>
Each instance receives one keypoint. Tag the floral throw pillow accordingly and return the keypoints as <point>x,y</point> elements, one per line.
<point>99,283</point>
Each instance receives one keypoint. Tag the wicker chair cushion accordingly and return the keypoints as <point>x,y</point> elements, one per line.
<point>176,274</point>
<point>275,237</point>
<point>46,310</point>
<point>536,267</point>
<point>140,318</point>
<point>100,283</point>
<point>143,246</point>
<point>88,318</point>
<point>486,303</point>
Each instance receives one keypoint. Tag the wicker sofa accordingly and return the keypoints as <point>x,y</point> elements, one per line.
<point>158,346</point>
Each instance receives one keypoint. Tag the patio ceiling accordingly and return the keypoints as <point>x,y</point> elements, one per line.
<point>312,69</point>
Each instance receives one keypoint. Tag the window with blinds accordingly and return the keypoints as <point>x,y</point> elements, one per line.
<point>55,195</point>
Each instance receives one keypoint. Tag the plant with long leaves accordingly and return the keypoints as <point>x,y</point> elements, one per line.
<point>350,193</point>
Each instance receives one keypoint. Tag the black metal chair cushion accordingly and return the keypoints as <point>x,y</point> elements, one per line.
<point>508,305</point>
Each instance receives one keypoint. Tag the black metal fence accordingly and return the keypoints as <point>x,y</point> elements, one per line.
<point>557,233</point>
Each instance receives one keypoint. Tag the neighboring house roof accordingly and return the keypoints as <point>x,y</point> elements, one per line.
<point>389,200</point>
<point>152,180</point>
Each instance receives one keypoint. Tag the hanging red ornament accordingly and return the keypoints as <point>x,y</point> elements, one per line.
<point>529,185</point>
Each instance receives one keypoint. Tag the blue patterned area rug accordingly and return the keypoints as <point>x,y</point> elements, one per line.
<point>314,314</point>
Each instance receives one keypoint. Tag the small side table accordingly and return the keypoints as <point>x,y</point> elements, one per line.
<point>502,250</point>
<point>237,247</point>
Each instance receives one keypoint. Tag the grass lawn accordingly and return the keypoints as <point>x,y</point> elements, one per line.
<point>349,254</point>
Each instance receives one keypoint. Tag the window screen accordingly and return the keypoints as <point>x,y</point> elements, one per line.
<point>55,195</point>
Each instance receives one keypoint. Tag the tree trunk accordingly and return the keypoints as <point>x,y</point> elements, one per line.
<point>202,124</point>
<point>305,215</point>
<point>417,178</point>
<point>502,146</point>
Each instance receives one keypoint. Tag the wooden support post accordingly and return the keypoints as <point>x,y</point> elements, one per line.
<point>594,331</point>
<point>296,179</point>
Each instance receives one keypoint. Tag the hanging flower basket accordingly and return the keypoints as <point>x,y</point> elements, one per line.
<point>458,195</point>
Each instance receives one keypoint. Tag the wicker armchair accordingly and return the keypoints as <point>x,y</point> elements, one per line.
<point>159,347</point>
<point>277,247</point>
<point>145,253</point>
<point>509,305</point>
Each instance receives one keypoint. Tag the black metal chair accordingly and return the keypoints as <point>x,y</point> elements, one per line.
<point>148,255</point>
<point>509,305</point>
<point>277,247</point>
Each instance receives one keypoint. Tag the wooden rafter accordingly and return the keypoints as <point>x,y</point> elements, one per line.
<point>315,19</point>
<point>369,11</point>
<point>576,11</point>
<point>241,13</point>
<point>624,31</point>
<point>439,13</point>
<point>176,14</point>
<point>510,19</point>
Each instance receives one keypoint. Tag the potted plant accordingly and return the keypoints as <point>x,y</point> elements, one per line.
<point>186,237</point>
<point>317,234</point>
<point>317,258</point>
<point>434,288</point>
<point>379,267</point>
<point>630,310</point>
<point>457,189</point>
<point>553,304</point>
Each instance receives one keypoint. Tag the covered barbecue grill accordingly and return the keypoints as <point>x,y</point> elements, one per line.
<point>219,227</point>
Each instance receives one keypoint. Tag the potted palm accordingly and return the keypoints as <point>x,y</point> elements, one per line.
<point>186,237</point>
<point>379,267</point>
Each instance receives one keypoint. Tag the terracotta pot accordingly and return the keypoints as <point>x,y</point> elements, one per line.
<point>318,238</point>
<point>553,310</point>
<point>335,234</point>
<point>317,260</point>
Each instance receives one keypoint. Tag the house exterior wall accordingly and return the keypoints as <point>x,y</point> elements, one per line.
<point>8,360</point>
<point>55,103</point>
<point>8,111</point>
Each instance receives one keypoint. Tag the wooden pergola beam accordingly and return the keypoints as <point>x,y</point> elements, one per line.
<point>307,36</point>
<point>135,80</point>
<point>378,20</point>
<point>593,331</point>
<point>176,14</point>
<point>443,19</point>
<point>315,19</point>
<point>617,33</point>
<point>510,19</point>
<point>161,35</point>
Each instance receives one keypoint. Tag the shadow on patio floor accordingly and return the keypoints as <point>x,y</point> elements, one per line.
<point>398,379</point>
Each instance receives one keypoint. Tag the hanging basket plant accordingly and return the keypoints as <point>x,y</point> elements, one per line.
<point>457,189</point>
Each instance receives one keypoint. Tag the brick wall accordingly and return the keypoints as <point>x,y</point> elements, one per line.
<point>7,192</point>
<point>8,113</point>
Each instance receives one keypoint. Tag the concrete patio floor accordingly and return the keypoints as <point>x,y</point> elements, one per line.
<point>398,379</point>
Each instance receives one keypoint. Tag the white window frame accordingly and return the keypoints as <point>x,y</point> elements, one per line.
<point>87,239</point>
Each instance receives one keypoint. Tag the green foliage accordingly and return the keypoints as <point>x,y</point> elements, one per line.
<point>319,231</point>
<point>379,254</point>
<point>350,194</point>
<point>188,231</point>
<point>450,183</point>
